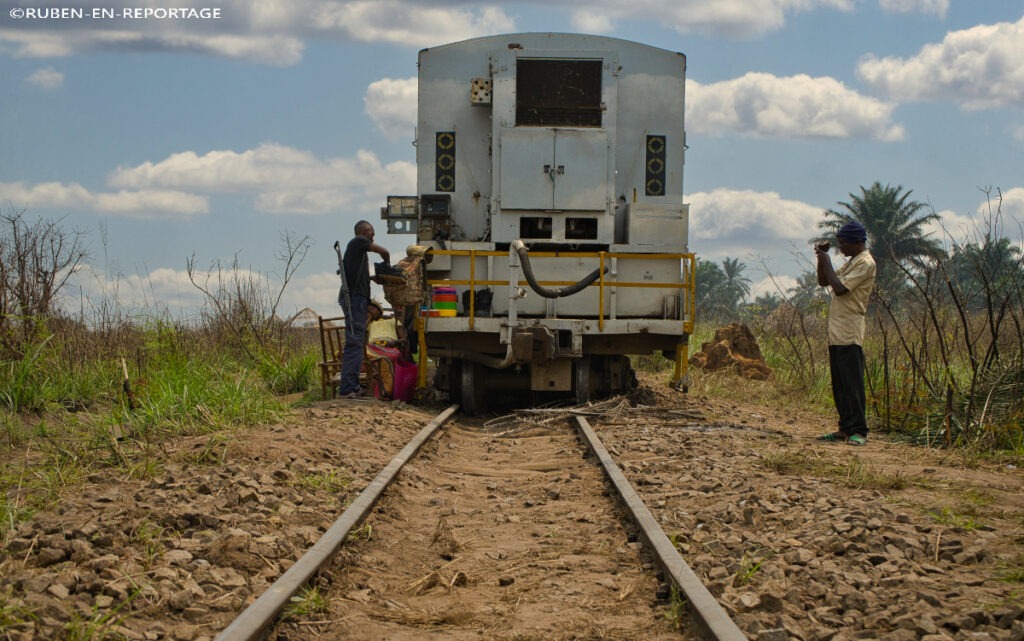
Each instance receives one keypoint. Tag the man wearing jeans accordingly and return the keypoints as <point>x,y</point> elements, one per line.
<point>851,287</point>
<point>357,275</point>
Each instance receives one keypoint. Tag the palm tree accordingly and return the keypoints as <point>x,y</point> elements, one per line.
<point>806,293</point>
<point>709,282</point>
<point>720,290</point>
<point>895,226</point>
<point>767,303</point>
<point>736,285</point>
<point>986,273</point>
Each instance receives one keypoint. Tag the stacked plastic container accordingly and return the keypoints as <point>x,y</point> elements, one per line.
<point>445,301</point>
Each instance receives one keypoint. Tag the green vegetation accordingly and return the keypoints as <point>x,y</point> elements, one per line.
<point>949,518</point>
<point>944,344</point>
<point>307,603</point>
<point>78,395</point>
<point>182,391</point>
<point>14,613</point>
<point>147,537</point>
<point>720,289</point>
<point>945,353</point>
<point>678,607</point>
<point>1013,571</point>
<point>330,481</point>
<point>364,532</point>
<point>749,567</point>
<point>788,463</point>
<point>852,472</point>
<point>99,625</point>
<point>897,231</point>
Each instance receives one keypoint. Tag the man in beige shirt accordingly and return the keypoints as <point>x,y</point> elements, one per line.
<point>851,287</point>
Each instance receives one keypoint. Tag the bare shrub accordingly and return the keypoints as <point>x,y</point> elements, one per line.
<point>36,260</point>
<point>953,341</point>
<point>241,304</point>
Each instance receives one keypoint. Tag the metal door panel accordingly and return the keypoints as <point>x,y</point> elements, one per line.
<point>524,182</point>
<point>581,162</point>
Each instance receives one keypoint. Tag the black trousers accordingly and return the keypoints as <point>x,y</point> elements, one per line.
<point>846,363</point>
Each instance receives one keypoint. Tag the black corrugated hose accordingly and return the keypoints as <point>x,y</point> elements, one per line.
<point>562,292</point>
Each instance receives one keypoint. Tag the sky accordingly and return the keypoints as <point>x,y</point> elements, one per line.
<point>171,132</point>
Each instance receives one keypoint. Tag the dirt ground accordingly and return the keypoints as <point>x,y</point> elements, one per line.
<point>500,530</point>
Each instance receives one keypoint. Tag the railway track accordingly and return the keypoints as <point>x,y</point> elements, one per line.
<point>515,530</point>
<point>796,539</point>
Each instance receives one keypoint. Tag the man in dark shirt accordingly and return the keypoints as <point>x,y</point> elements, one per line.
<point>357,275</point>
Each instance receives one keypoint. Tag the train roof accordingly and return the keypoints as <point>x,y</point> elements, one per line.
<point>550,40</point>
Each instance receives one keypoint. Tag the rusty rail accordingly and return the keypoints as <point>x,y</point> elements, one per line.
<point>262,612</point>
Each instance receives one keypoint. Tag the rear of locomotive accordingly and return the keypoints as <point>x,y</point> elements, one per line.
<point>550,177</point>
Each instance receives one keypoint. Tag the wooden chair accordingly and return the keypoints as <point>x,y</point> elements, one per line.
<point>332,344</point>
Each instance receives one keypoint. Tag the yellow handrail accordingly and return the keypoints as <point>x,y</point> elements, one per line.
<point>688,283</point>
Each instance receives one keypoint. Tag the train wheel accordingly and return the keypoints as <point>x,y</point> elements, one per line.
<point>581,380</point>
<point>471,384</point>
<point>453,380</point>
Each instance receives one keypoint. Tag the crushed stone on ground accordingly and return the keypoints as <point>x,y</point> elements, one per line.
<point>798,539</point>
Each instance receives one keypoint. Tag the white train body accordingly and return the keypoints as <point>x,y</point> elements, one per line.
<point>572,146</point>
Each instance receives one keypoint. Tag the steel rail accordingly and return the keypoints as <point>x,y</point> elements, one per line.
<point>262,612</point>
<point>702,603</point>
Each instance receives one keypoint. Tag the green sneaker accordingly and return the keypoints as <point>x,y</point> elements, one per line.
<point>857,440</point>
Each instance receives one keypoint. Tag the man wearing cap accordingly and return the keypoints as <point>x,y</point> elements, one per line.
<point>851,287</point>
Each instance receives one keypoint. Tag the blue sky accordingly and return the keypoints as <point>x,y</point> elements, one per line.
<point>164,138</point>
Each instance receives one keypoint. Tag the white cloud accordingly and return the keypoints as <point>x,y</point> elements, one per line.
<point>938,7</point>
<point>46,79</point>
<point>146,203</point>
<point>275,32</point>
<point>269,32</point>
<point>409,23</point>
<point>317,291</point>
<point>981,67</point>
<point>769,106</point>
<point>269,49</point>
<point>731,18</point>
<point>751,219</point>
<point>951,226</point>
<point>157,291</point>
<point>1017,133</point>
<point>391,104</point>
<point>777,285</point>
<point>589,21</point>
<point>1007,217</point>
<point>1012,206</point>
<point>167,290</point>
<point>282,179</point>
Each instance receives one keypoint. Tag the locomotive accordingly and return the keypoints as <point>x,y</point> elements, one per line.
<point>550,189</point>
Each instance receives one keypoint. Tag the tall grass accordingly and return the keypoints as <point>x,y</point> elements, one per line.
<point>290,373</point>
<point>190,394</point>
<point>25,381</point>
<point>923,384</point>
<point>61,418</point>
<point>109,387</point>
